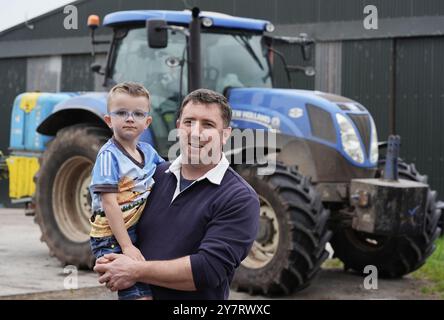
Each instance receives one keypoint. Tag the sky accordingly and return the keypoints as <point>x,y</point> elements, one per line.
<point>13,12</point>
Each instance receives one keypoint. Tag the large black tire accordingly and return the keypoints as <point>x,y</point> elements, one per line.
<point>393,256</point>
<point>63,204</point>
<point>290,247</point>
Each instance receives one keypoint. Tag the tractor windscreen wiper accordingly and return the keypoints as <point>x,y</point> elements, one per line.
<point>244,41</point>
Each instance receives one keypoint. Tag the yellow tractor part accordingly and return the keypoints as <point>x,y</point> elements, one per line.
<point>29,101</point>
<point>21,175</point>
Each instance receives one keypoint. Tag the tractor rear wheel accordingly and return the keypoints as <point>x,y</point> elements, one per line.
<point>290,246</point>
<point>393,256</point>
<point>63,203</point>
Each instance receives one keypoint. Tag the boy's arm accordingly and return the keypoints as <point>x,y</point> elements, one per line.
<point>156,157</point>
<point>115,219</point>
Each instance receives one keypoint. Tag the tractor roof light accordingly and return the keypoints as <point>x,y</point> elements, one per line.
<point>269,27</point>
<point>93,21</point>
<point>207,22</point>
<point>350,139</point>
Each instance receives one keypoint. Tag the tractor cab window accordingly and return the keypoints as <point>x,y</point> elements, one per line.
<point>234,60</point>
<point>159,70</point>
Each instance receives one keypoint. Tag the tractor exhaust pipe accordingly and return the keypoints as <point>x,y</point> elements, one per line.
<point>391,164</point>
<point>195,70</point>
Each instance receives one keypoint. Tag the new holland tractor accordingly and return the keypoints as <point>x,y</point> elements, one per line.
<point>325,186</point>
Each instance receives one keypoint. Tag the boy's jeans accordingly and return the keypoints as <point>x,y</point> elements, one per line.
<point>106,245</point>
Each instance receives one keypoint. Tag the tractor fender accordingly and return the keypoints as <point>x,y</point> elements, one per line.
<point>86,108</point>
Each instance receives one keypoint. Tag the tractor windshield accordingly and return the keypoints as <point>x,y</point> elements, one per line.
<point>228,60</point>
<point>158,69</point>
<point>234,60</point>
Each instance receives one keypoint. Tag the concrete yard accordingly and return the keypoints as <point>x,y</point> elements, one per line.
<point>28,272</point>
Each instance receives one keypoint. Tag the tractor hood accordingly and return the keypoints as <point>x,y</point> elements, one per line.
<point>309,115</point>
<point>287,111</point>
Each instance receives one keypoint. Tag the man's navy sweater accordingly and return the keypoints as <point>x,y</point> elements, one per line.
<point>214,224</point>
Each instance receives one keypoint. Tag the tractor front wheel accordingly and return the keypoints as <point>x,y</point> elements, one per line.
<point>63,203</point>
<point>290,245</point>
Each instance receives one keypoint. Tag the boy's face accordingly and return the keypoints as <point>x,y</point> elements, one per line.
<point>127,116</point>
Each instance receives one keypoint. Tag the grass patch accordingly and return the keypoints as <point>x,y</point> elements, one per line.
<point>333,264</point>
<point>433,271</point>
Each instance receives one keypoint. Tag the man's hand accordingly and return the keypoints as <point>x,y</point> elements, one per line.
<point>117,271</point>
<point>134,253</point>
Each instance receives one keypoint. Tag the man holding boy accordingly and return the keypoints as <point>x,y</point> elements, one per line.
<point>122,179</point>
<point>201,218</point>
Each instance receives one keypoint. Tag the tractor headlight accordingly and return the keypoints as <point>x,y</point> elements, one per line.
<point>374,144</point>
<point>350,139</point>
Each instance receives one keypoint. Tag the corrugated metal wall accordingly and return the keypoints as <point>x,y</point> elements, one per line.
<point>366,70</point>
<point>366,67</point>
<point>329,67</point>
<point>293,56</point>
<point>12,82</point>
<point>43,74</point>
<point>420,105</point>
<point>76,73</point>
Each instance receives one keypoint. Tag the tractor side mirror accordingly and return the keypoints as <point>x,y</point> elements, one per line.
<point>305,46</point>
<point>157,32</point>
<point>97,68</point>
<point>306,51</point>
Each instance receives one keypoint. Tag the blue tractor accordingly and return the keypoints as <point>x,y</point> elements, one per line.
<point>322,150</point>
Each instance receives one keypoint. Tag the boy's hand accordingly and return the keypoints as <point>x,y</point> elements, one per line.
<point>134,253</point>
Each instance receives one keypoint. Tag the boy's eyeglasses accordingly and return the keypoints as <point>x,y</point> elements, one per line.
<point>124,114</point>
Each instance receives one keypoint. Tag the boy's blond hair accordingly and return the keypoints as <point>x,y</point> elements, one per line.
<point>133,89</point>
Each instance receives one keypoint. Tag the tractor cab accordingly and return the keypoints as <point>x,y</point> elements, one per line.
<point>164,51</point>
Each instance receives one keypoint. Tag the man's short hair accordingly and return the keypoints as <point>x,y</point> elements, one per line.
<point>130,88</point>
<point>206,96</point>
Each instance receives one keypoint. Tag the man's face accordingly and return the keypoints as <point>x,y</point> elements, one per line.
<point>202,133</point>
<point>127,116</point>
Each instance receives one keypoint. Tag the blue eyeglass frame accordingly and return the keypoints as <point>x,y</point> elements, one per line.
<point>129,113</point>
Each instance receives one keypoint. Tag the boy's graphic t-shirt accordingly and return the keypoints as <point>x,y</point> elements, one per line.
<point>116,171</point>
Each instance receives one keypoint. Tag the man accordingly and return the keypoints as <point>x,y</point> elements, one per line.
<point>201,217</point>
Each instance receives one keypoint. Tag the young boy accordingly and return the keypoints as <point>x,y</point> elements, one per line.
<point>122,179</point>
